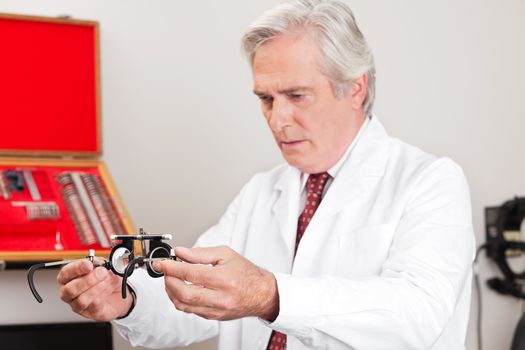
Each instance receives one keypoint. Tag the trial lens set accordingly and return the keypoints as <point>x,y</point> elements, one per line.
<point>43,193</point>
<point>90,208</point>
<point>16,181</point>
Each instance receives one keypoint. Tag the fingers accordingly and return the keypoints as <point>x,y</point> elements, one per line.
<point>103,301</point>
<point>196,274</point>
<point>74,270</point>
<point>210,255</point>
<point>206,312</point>
<point>76,287</point>
<point>190,297</point>
<point>86,300</point>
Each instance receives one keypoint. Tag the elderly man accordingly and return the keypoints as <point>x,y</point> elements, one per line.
<point>359,242</point>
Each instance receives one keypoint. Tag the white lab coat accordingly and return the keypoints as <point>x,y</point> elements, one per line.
<point>385,262</point>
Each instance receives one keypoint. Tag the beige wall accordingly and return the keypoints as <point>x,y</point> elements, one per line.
<point>183,133</point>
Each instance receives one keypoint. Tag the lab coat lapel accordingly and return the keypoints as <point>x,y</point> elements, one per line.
<point>367,158</point>
<point>286,208</point>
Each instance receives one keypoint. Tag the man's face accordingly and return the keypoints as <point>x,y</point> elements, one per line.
<point>310,125</point>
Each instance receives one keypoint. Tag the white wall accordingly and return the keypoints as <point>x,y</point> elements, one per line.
<point>183,133</point>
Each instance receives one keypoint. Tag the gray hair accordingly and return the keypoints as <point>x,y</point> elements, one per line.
<point>346,55</point>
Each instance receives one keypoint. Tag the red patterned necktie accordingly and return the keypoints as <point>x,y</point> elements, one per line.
<point>314,189</point>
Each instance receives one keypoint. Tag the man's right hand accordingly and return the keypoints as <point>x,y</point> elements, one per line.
<point>94,293</point>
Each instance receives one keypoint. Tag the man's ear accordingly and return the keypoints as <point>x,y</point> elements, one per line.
<point>358,89</point>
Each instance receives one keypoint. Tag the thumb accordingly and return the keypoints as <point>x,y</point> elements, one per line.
<point>210,255</point>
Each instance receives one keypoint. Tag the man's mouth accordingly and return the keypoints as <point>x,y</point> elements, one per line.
<point>291,143</point>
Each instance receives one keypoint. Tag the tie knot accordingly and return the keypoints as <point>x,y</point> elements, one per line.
<point>316,182</point>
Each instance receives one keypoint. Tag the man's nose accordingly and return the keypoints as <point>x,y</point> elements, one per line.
<point>281,115</point>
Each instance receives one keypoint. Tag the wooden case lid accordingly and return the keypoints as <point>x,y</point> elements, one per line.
<point>49,87</point>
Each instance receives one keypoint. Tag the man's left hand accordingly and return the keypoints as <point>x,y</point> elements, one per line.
<point>223,285</point>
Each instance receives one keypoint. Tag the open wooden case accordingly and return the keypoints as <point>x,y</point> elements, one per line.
<point>57,199</point>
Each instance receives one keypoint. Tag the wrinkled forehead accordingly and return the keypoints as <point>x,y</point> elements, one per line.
<point>287,59</point>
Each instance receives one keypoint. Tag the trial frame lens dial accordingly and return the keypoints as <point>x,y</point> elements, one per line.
<point>120,258</point>
<point>158,252</point>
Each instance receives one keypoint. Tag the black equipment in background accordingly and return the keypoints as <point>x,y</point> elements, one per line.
<point>503,240</point>
<point>518,341</point>
<point>500,222</point>
<point>59,336</point>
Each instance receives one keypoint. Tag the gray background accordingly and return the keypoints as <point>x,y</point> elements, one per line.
<point>183,132</point>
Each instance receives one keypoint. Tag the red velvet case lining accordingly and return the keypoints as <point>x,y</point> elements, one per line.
<point>48,86</point>
<point>17,233</point>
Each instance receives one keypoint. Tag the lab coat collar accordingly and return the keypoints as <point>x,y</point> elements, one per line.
<point>368,158</point>
<point>368,154</point>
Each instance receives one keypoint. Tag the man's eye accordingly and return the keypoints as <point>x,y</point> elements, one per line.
<point>296,97</point>
<point>266,99</point>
